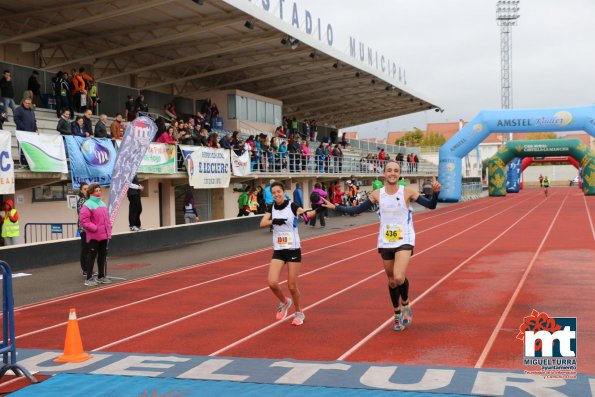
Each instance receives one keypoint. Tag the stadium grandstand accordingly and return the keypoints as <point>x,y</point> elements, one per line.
<point>261,65</point>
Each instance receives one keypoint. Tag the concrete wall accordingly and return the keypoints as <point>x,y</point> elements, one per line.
<point>22,257</point>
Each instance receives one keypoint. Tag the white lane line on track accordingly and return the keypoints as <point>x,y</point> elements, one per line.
<point>213,261</point>
<point>435,285</point>
<point>589,217</point>
<point>177,290</point>
<point>61,324</point>
<point>207,309</point>
<point>266,288</point>
<point>248,337</point>
<point>496,331</point>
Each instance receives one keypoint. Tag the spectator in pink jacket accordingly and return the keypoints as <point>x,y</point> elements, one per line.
<point>316,200</point>
<point>94,218</point>
<point>167,137</point>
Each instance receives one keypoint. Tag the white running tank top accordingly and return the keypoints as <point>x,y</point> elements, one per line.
<point>285,237</point>
<point>396,222</point>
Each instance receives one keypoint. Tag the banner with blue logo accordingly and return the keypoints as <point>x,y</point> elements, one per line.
<point>6,164</point>
<point>136,141</point>
<point>91,160</point>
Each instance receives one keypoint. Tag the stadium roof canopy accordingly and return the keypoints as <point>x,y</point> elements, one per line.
<point>188,47</point>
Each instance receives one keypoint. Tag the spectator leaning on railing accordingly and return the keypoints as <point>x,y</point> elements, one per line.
<point>101,127</point>
<point>116,127</point>
<point>64,126</point>
<point>78,128</point>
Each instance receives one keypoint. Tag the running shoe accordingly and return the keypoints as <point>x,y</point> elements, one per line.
<point>283,308</point>
<point>298,319</point>
<point>399,322</point>
<point>91,282</point>
<point>104,280</point>
<point>407,315</point>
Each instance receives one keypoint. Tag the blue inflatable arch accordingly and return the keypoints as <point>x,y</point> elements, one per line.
<point>498,121</point>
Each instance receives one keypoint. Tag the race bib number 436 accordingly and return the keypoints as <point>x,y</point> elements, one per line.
<point>392,233</point>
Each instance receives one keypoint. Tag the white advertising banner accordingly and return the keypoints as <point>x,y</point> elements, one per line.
<point>208,168</point>
<point>240,165</point>
<point>44,152</point>
<point>6,164</point>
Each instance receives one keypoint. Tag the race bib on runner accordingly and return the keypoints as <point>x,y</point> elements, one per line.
<point>285,240</point>
<point>392,233</point>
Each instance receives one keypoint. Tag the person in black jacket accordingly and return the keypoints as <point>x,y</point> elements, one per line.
<point>7,91</point>
<point>88,123</point>
<point>3,115</point>
<point>135,206</point>
<point>64,126</point>
<point>34,86</point>
<point>101,127</point>
<point>24,118</point>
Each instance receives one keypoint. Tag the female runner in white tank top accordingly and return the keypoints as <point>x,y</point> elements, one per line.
<point>396,237</point>
<point>283,217</point>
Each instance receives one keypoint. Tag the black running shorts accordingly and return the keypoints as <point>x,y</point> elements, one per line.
<point>389,253</point>
<point>294,255</point>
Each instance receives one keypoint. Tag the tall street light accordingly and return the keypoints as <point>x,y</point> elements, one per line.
<point>507,14</point>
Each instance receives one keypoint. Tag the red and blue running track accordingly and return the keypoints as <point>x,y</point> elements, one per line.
<point>479,268</point>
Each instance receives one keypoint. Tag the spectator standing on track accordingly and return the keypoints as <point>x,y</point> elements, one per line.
<point>298,195</point>
<point>83,196</point>
<point>9,217</point>
<point>396,238</point>
<point>190,214</point>
<point>243,203</point>
<point>95,220</point>
<point>135,206</point>
<point>351,193</point>
<point>282,216</point>
<point>377,184</point>
<point>338,194</point>
<point>316,200</point>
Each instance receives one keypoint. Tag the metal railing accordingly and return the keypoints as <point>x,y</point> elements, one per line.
<point>471,191</point>
<point>374,147</point>
<point>38,232</point>
<point>269,162</point>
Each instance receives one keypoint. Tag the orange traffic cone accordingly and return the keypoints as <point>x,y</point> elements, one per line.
<point>73,346</point>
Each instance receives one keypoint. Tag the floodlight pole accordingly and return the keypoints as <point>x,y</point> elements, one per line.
<point>507,13</point>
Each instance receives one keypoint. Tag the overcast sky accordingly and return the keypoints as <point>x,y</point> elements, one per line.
<point>451,52</point>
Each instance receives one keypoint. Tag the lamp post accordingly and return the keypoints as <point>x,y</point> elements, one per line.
<point>507,14</point>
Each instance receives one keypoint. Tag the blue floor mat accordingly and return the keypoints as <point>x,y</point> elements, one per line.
<point>78,385</point>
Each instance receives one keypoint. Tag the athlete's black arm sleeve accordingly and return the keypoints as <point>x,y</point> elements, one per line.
<point>358,209</point>
<point>428,203</point>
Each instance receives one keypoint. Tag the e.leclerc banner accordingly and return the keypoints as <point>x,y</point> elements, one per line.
<point>137,138</point>
<point>6,164</point>
<point>208,168</point>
